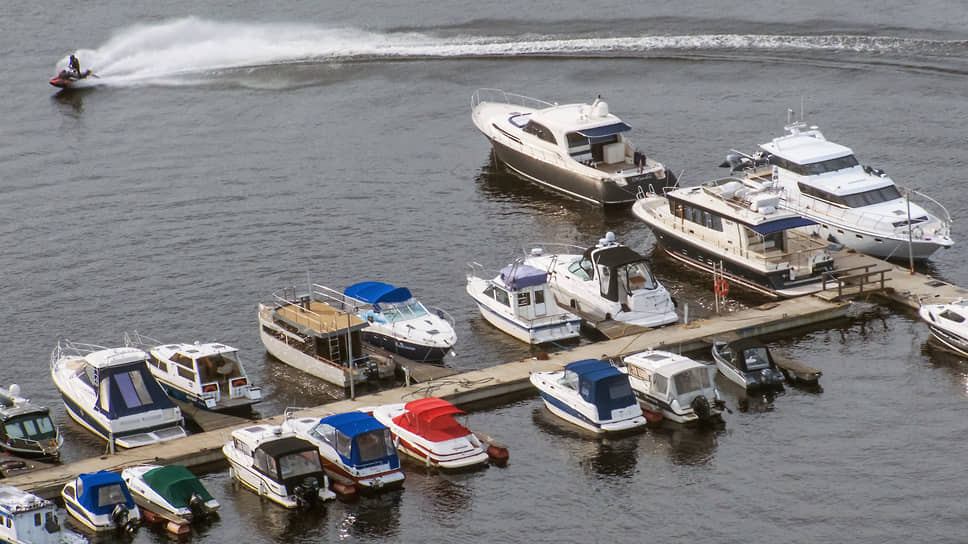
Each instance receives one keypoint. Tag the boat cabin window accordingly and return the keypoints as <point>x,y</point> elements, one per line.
<point>297,464</point>
<point>38,519</point>
<point>186,373</point>
<point>696,215</point>
<point>815,168</point>
<point>344,445</point>
<point>524,299</point>
<point>539,296</point>
<point>619,389</point>
<point>133,389</point>
<point>110,494</point>
<point>660,384</point>
<point>582,269</point>
<point>756,358</point>
<point>264,462</point>
<point>30,427</point>
<point>501,296</point>
<point>637,276</point>
<point>375,444</point>
<point>158,363</point>
<point>604,277</point>
<point>570,380</point>
<point>694,379</point>
<point>952,316</point>
<point>324,432</point>
<point>579,147</point>
<point>540,131</point>
<point>855,200</point>
<point>221,366</point>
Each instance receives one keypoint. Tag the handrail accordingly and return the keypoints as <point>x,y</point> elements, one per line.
<point>498,95</point>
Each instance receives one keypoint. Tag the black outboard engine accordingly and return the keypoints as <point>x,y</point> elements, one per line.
<point>120,516</point>
<point>51,525</point>
<point>700,405</point>
<point>307,492</point>
<point>196,505</point>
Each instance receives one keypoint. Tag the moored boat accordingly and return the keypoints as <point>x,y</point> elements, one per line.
<point>608,281</point>
<point>426,430</point>
<point>577,149</point>
<point>948,323</point>
<point>101,502</point>
<point>277,465</point>
<point>111,392</point>
<point>27,518</point>
<point>591,394</point>
<point>355,449</point>
<point>747,362</point>
<point>682,389</point>
<point>208,375</point>
<point>855,205</point>
<point>518,300</point>
<point>26,429</point>
<point>171,492</point>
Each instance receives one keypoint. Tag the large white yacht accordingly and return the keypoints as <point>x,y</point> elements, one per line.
<point>577,149</point>
<point>854,205</point>
<point>733,229</point>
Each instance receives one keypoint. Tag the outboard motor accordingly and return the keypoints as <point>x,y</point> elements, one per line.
<point>196,505</point>
<point>700,405</point>
<point>307,492</point>
<point>120,516</point>
<point>51,525</point>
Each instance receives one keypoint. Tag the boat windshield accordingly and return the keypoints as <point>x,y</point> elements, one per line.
<point>638,276</point>
<point>110,494</point>
<point>299,463</point>
<point>695,379</point>
<point>815,168</point>
<point>220,366</point>
<point>30,427</point>
<point>375,444</point>
<point>756,358</point>
<point>403,311</point>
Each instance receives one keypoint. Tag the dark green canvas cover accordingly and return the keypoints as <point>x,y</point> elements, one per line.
<point>176,484</point>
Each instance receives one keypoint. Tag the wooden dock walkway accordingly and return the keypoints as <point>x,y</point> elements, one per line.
<point>207,420</point>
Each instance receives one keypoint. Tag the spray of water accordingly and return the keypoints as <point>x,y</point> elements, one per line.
<point>191,51</point>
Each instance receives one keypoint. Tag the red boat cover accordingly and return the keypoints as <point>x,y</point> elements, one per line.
<point>433,419</point>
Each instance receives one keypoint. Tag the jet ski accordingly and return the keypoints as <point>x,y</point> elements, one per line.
<point>67,78</point>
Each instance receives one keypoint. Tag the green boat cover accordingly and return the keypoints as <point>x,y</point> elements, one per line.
<point>176,484</point>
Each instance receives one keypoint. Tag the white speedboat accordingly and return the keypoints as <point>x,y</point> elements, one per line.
<point>111,392</point>
<point>519,301</point>
<point>591,394</point>
<point>26,429</point>
<point>355,448</point>
<point>747,362</point>
<point>608,281</point>
<point>578,149</point>
<point>28,519</point>
<point>426,430</point>
<point>857,206</point>
<point>682,389</point>
<point>948,323</point>
<point>732,228</point>
<point>172,492</point>
<point>209,376</point>
<point>101,502</point>
<point>313,333</point>
<point>277,465</point>
<point>399,323</point>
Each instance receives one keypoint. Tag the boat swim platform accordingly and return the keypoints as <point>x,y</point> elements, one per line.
<point>207,420</point>
<point>204,449</point>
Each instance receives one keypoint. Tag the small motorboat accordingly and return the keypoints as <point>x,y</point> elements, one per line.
<point>26,429</point>
<point>28,519</point>
<point>111,392</point>
<point>591,394</point>
<point>277,465</point>
<point>519,301</point>
<point>101,502</point>
<point>400,323</point>
<point>948,323</point>
<point>170,492</point>
<point>356,450</point>
<point>208,375</point>
<point>748,363</point>
<point>426,430</point>
<point>66,79</point>
<point>681,389</point>
<point>607,281</point>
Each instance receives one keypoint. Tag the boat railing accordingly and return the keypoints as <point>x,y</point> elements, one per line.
<point>552,249</point>
<point>498,95</point>
<point>137,340</point>
<point>339,300</point>
<point>67,348</point>
<point>306,316</point>
<point>873,223</point>
<point>441,313</point>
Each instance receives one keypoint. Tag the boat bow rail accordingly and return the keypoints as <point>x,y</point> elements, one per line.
<point>500,96</point>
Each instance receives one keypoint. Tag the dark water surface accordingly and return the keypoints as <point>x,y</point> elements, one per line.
<point>230,151</point>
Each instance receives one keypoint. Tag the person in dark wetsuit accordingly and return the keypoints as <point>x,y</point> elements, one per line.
<point>75,66</point>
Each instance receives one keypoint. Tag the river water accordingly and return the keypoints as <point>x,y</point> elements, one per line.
<point>229,151</point>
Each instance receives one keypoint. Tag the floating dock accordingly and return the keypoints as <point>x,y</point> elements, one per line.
<point>856,276</point>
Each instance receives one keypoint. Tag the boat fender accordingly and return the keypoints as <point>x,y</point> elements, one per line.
<point>498,455</point>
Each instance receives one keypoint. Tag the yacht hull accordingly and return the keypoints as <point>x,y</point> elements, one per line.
<point>410,350</point>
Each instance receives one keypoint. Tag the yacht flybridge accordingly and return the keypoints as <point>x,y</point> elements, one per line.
<point>577,149</point>
<point>857,206</point>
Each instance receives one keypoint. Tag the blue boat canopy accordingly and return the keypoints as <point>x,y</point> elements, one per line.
<point>353,423</point>
<point>782,224</point>
<point>360,439</point>
<point>374,292</point>
<point>603,385</point>
<point>607,130</point>
<point>129,389</point>
<point>518,276</point>
<point>100,492</point>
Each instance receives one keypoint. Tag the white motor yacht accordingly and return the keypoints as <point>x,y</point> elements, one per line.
<point>948,323</point>
<point>858,206</point>
<point>577,149</point>
<point>682,389</point>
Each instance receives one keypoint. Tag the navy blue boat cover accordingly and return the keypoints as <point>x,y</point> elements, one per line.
<point>518,276</point>
<point>603,385</point>
<point>99,492</point>
<point>131,389</point>
<point>607,130</point>
<point>356,425</point>
<point>783,224</point>
<point>374,292</point>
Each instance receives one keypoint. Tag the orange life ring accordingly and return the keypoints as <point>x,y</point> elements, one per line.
<point>720,287</point>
